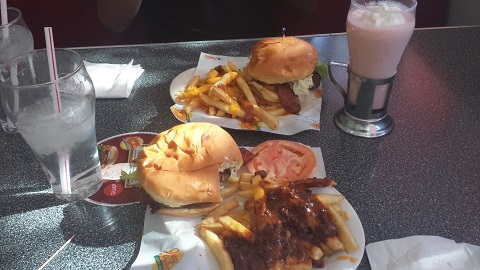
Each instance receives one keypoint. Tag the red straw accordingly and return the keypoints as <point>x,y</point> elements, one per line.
<point>52,65</point>
<point>63,161</point>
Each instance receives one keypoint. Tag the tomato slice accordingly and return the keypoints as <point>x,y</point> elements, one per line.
<point>283,160</point>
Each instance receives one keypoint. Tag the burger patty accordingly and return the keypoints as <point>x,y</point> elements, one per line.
<point>157,206</point>
<point>224,175</point>
<point>145,199</point>
<point>316,79</point>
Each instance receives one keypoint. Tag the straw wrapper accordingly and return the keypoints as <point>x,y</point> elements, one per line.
<point>307,118</point>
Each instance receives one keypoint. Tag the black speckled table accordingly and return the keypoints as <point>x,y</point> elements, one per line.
<point>423,178</point>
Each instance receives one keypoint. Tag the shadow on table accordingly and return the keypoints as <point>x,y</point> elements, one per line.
<point>101,226</point>
<point>26,200</point>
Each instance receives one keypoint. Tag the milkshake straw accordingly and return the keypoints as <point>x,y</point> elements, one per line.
<point>4,18</point>
<point>63,160</point>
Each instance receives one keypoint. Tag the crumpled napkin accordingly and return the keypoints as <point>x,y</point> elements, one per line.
<point>113,80</point>
<point>423,252</point>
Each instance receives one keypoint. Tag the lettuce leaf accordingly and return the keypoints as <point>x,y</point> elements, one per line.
<point>321,69</point>
<point>129,176</point>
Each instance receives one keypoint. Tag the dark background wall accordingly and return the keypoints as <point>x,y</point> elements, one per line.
<point>75,22</point>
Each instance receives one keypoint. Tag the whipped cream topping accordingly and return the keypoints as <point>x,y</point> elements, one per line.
<point>383,14</point>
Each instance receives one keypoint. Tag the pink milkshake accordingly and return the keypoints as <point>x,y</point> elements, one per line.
<point>377,33</point>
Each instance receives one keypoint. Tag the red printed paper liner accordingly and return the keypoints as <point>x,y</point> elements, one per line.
<point>115,191</point>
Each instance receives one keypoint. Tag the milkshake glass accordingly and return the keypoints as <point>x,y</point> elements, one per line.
<point>378,33</point>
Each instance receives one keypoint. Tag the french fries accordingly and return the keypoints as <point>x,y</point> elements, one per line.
<point>233,179</point>
<point>256,222</point>
<point>221,106</point>
<point>235,226</point>
<point>230,189</point>
<point>330,198</point>
<point>246,178</point>
<point>212,224</point>
<point>220,94</point>
<point>265,93</point>
<point>246,90</point>
<point>233,67</point>
<point>245,193</point>
<point>224,208</point>
<point>193,82</point>
<point>245,186</point>
<point>266,117</point>
<point>344,234</point>
<point>218,249</point>
<point>276,111</point>
<point>225,79</point>
<point>194,104</point>
<point>226,92</point>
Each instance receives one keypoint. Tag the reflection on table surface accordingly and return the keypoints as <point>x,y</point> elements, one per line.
<point>420,179</point>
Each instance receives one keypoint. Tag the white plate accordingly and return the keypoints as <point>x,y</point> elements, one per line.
<point>164,234</point>
<point>178,84</point>
<point>308,117</point>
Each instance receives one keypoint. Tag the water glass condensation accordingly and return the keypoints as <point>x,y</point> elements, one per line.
<point>15,39</point>
<point>63,140</point>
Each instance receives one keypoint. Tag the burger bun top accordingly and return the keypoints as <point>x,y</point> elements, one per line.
<point>282,60</point>
<point>181,165</point>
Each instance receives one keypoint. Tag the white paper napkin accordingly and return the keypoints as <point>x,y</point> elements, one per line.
<point>423,252</point>
<point>113,80</point>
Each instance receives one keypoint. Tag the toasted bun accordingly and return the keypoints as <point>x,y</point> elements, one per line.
<point>281,60</point>
<point>188,212</point>
<point>181,165</point>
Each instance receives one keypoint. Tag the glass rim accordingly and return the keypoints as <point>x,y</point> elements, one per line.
<point>14,20</point>
<point>60,79</point>
<point>408,9</point>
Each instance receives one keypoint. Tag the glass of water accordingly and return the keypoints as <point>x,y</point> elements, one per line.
<point>56,118</point>
<point>15,39</point>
